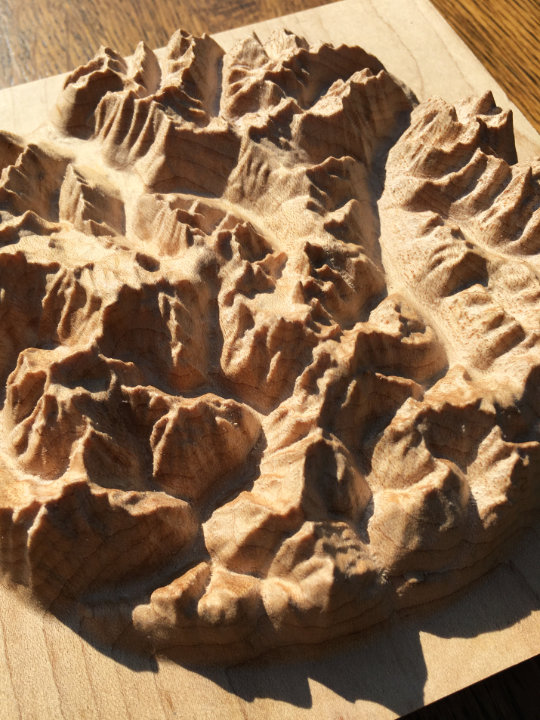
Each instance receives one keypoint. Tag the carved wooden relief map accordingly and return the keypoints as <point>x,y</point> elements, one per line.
<point>270,346</point>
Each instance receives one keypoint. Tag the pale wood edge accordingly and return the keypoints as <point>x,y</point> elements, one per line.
<point>49,671</point>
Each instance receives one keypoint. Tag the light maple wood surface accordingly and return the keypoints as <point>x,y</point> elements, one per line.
<point>47,670</point>
<point>70,679</point>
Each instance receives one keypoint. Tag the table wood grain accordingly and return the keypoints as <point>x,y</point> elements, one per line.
<point>45,37</point>
<point>39,38</point>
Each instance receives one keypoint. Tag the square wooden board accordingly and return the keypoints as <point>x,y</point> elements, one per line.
<point>48,671</point>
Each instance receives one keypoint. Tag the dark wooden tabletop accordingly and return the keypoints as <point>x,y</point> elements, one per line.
<point>46,37</point>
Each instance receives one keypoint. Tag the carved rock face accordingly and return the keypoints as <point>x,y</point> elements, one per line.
<point>270,344</point>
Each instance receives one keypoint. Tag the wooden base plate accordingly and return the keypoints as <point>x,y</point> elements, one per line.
<point>48,670</point>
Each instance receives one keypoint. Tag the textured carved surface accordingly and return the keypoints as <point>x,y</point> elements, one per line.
<point>270,346</point>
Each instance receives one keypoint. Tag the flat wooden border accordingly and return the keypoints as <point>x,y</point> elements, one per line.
<point>49,671</point>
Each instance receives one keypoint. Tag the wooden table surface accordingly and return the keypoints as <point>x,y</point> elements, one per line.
<point>46,37</point>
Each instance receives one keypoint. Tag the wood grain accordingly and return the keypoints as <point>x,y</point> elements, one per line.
<point>239,417</point>
<point>411,39</point>
<point>57,649</point>
<point>40,38</point>
<point>48,671</point>
<point>505,36</point>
